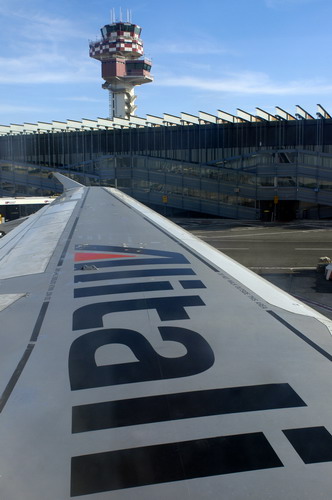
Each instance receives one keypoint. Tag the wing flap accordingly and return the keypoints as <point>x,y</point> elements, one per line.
<point>8,299</point>
<point>28,248</point>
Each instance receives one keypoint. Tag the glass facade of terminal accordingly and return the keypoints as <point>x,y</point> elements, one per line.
<point>279,169</point>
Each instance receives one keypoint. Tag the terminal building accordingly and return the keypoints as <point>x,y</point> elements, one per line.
<point>243,166</point>
<point>263,166</point>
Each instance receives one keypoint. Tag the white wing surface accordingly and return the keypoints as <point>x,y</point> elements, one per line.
<point>137,361</point>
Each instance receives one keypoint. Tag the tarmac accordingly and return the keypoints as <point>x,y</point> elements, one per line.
<point>286,254</point>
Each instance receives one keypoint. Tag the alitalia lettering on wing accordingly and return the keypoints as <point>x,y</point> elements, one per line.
<point>113,271</point>
<point>83,370</point>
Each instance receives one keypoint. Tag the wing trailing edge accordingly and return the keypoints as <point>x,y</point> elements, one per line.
<point>67,182</point>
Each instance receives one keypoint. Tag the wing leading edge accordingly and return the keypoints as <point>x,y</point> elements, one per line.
<point>138,361</point>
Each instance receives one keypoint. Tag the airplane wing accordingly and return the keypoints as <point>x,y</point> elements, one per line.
<point>136,361</point>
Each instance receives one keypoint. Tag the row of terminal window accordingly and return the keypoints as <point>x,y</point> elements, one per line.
<point>110,28</point>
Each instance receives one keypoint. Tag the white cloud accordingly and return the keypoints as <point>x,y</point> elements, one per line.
<point>13,108</point>
<point>80,99</point>
<point>249,83</point>
<point>38,48</point>
<point>46,68</point>
<point>197,47</point>
<point>35,25</point>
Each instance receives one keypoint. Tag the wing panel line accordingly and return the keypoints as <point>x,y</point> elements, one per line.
<point>16,375</point>
<point>301,335</point>
<point>39,322</point>
<point>169,235</point>
<point>65,248</point>
<point>36,330</point>
<point>188,249</point>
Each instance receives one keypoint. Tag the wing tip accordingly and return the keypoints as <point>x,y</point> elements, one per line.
<point>66,181</point>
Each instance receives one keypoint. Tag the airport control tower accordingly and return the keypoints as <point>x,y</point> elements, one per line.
<point>120,51</point>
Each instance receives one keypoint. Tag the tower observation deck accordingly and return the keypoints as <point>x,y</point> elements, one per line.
<point>120,51</point>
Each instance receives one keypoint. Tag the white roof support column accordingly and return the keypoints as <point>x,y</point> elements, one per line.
<point>207,118</point>
<point>43,126</point>
<point>59,125</point>
<point>121,122</point>
<point>155,120</point>
<point>189,119</point>
<point>136,120</point>
<point>17,129</point>
<point>90,124</point>
<point>105,122</point>
<point>31,127</point>
<point>174,120</point>
<point>265,115</point>
<point>302,113</point>
<point>228,118</point>
<point>284,114</point>
<point>4,129</point>
<point>322,112</point>
<point>248,117</point>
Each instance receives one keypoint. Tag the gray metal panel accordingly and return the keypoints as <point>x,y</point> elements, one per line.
<point>209,185</point>
<point>192,182</point>
<point>157,176</point>
<point>140,174</point>
<point>122,379</point>
<point>287,193</point>
<point>286,169</point>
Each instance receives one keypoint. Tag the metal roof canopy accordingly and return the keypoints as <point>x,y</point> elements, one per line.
<point>206,117</point>
<point>322,112</point>
<point>174,120</point>
<point>228,118</point>
<point>283,114</point>
<point>302,113</point>
<point>167,120</point>
<point>192,119</point>
<point>261,113</point>
<point>156,120</point>
<point>248,117</point>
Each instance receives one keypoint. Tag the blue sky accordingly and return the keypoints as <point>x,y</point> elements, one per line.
<point>207,55</point>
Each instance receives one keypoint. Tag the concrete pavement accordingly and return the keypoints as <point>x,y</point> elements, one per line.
<point>284,254</point>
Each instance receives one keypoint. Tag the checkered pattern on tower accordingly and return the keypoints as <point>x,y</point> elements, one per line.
<point>118,39</point>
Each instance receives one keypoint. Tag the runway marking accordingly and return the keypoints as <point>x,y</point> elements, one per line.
<point>284,268</point>
<point>257,234</point>
<point>232,248</point>
<point>248,228</point>
<point>320,249</point>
